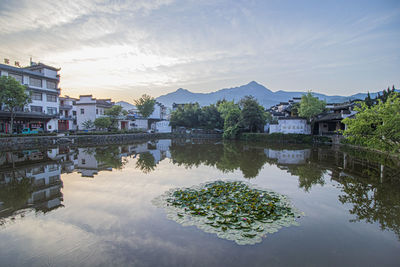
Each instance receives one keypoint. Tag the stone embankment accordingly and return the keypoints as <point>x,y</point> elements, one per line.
<point>18,143</point>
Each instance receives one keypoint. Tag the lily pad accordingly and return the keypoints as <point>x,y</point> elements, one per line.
<point>233,210</point>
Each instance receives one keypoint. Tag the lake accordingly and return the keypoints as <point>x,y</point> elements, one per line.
<point>94,206</point>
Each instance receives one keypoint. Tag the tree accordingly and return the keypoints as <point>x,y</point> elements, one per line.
<point>368,100</point>
<point>114,112</point>
<point>252,116</point>
<point>311,106</point>
<point>13,96</point>
<point>88,124</point>
<point>210,118</point>
<point>102,123</point>
<point>145,105</point>
<point>376,127</point>
<point>187,116</point>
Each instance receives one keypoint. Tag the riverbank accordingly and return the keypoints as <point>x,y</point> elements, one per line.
<point>286,138</point>
<point>30,142</point>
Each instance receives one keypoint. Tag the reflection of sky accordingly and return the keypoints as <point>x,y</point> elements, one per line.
<point>110,220</point>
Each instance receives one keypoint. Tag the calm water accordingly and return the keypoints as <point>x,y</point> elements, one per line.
<point>92,206</point>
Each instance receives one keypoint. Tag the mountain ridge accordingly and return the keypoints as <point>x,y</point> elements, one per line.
<point>265,96</point>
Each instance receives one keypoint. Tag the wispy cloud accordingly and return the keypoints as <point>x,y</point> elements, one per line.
<point>126,47</point>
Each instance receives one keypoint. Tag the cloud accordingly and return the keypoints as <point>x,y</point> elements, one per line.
<point>130,46</point>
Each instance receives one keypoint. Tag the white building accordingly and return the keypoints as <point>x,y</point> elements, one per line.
<point>68,114</point>
<point>42,81</point>
<point>89,109</point>
<point>290,125</point>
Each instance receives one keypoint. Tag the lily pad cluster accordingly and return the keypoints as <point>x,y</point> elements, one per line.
<point>233,210</point>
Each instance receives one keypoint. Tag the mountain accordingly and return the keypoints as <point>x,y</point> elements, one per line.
<point>125,105</point>
<point>265,97</point>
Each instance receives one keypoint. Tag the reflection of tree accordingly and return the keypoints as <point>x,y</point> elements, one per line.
<point>146,162</point>
<point>309,174</point>
<point>16,193</point>
<point>227,157</point>
<point>110,156</point>
<point>373,201</point>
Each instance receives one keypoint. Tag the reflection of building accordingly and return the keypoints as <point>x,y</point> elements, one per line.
<point>37,182</point>
<point>288,156</point>
<point>87,164</point>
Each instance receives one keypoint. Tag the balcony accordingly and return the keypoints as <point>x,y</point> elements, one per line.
<point>65,107</point>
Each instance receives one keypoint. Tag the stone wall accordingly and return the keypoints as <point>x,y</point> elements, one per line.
<point>18,143</point>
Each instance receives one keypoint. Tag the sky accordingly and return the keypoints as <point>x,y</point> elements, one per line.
<point>123,49</point>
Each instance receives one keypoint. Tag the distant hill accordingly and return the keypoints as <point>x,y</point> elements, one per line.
<point>265,97</point>
<point>125,105</point>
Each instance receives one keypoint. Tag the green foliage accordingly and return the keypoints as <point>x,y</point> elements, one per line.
<point>102,123</point>
<point>210,118</point>
<point>310,106</point>
<point>234,118</point>
<point>145,105</point>
<point>110,156</point>
<point>252,115</point>
<point>187,116</point>
<point>233,210</point>
<point>377,126</point>
<point>89,124</point>
<point>16,193</point>
<point>113,113</point>
<point>13,96</point>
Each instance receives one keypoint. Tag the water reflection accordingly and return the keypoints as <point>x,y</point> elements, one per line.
<point>369,182</point>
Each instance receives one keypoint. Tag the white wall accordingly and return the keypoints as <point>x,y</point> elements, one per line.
<point>295,126</point>
<point>162,127</point>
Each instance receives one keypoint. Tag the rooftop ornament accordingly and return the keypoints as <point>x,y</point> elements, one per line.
<point>233,210</point>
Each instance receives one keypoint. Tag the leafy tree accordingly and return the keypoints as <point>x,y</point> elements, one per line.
<point>224,107</point>
<point>13,96</point>
<point>232,126</point>
<point>102,122</point>
<point>187,116</point>
<point>368,100</point>
<point>376,127</point>
<point>210,118</point>
<point>145,105</point>
<point>88,124</point>
<point>311,106</point>
<point>252,116</point>
<point>110,156</point>
<point>114,112</point>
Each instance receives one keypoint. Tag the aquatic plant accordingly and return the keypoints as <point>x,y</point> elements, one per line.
<point>234,210</point>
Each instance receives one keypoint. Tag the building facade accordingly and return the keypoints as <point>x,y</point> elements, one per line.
<point>290,125</point>
<point>89,109</point>
<point>42,113</point>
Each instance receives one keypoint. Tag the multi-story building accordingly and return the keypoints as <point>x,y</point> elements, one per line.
<point>68,114</point>
<point>42,113</point>
<point>89,109</point>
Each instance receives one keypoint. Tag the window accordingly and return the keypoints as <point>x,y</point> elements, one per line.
<point>74,113</point>
<point>36,109</point>
<point>82,111</point>
<point>35,82</point>
<point>52,111</point>
<point>16,76</point>
<point>83,161</point>
<point>51,85</point>
<point>51,98</point>
<point>97,111</point>
<point>37,96</point>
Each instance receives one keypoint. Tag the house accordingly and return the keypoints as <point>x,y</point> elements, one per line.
<point>89,109</point>
<point>330,122</point>
<point>42,81</point>
<point>290,125</point>
<point>68,114</point>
